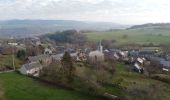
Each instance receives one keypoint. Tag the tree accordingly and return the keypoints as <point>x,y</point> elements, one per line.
<point>153,68</point>
<point>68,67</point>
<point>68,36</point>
<point>21,54</point>
<point>125,36</point>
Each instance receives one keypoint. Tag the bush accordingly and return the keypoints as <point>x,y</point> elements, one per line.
<point>21,54</point>
<point>125,36</point>
<point>161,77</point>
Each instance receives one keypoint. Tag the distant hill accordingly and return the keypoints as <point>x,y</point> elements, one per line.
<point>22,28</point>
<point>152,26</point>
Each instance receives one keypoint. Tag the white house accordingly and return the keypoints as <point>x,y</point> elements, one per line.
<point>138,67</point>
<point>31,69</point>
<point>13,44</point>
<point>48,51</point>
<point>140,60</point>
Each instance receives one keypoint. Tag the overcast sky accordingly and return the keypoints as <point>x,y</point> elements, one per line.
<point>118,11</point>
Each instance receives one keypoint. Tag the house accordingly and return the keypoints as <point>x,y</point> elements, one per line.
<point>140,60</point>
<point>75,56</point>
<point>13,44</point>
<point>43,59</point>
<point>57,57</point>
<point>36,41</point>
<point>134,53</point>
<point>165,69</point>
<point>35,64</point>
<point>81,56</point>
<point>48,51</point>
<point>165,65</point>
<point>137,67</point>
<point>168,57</point>
<point>31,69</point>
<point>7,50</point>
<point>112,54</point>
<point>116,56</point>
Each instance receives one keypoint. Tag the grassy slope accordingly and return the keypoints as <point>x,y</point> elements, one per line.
<point>134,36</point>
<point>129,78</point>
<point>18,87</point>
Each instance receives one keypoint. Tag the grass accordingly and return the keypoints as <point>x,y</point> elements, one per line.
<point>130,79</point>
<point>125,80</point>
<point>14,86</point>
<point>6,60</point>
<point>18,87</point>
<point>156,36</point>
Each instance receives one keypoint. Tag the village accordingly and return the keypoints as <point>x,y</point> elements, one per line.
<point>84,50</point>
<point>136,59</point>
<point>46,61</point>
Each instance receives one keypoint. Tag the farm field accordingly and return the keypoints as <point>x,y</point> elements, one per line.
<point>14,86</point>
<point>135,36</point>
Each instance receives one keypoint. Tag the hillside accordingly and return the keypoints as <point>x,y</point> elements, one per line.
<point>14,86</point>
<point>17,87</point>
<point>134,36</point>
<point>152,26</point>
<point>22,28</point>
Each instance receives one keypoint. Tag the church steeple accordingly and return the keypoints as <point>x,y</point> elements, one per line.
<point>100,47</point>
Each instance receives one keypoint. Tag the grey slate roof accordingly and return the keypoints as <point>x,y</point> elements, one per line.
<point>33,65</point>
<point>37,58</point>
<point>165,64</point>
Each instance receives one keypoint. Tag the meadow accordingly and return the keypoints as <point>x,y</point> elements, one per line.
<point>14,86</point>
<point>133,36</point>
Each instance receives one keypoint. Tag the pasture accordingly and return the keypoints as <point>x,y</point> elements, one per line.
<point>135,36</point>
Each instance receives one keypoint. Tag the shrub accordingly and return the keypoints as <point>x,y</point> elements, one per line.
<point>161,77</point>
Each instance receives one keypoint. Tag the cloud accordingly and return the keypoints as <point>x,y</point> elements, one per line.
<point>119,11</point>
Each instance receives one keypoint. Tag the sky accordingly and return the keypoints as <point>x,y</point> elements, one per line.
<point>117,11</point>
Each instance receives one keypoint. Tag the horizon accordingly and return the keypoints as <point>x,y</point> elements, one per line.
<point>129,12</point>
<point>84,21</point>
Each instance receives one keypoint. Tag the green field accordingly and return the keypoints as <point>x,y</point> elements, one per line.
<point>14,86</point>
<point>138,36</point>
<point>17,87</point>
<point>132,80</point>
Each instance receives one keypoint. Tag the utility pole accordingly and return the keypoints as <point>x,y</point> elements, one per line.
<point>13,56</point>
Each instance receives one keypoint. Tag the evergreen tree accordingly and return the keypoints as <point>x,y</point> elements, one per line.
<point>68,67</point>
<point>21,54</point>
